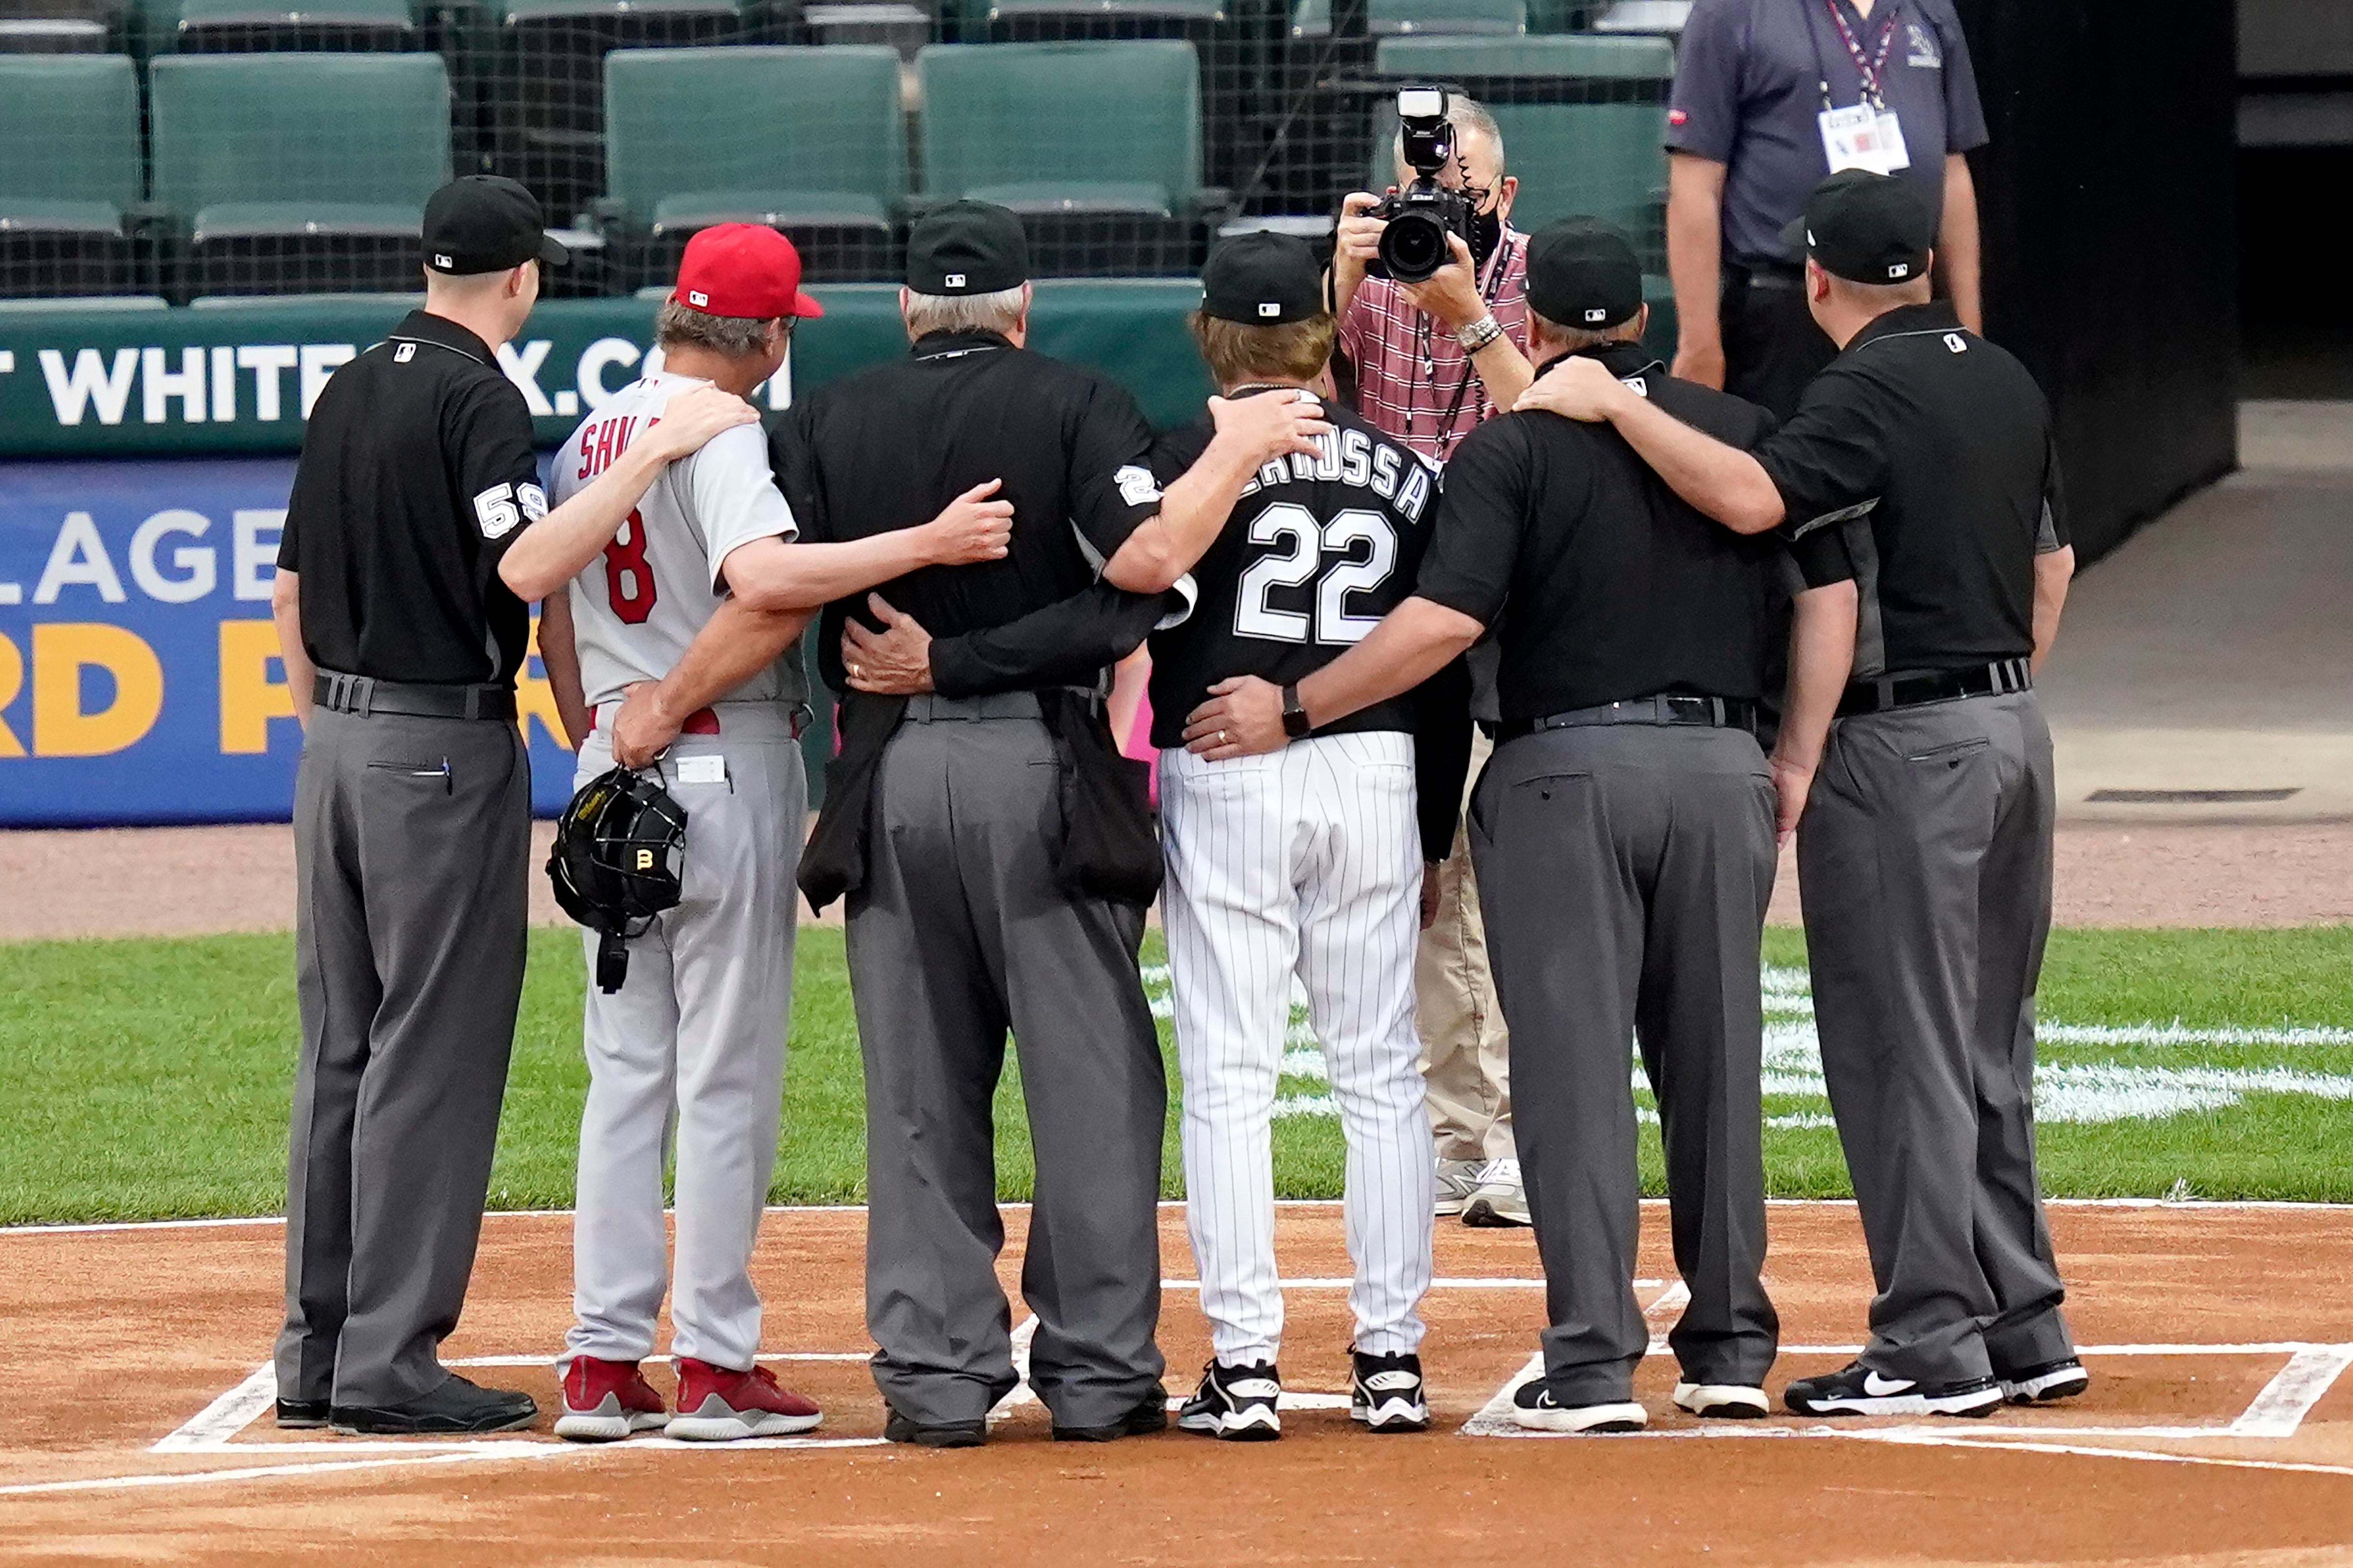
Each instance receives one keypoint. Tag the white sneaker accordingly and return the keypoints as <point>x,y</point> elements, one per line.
<point>1723,1400</point>
<point>1457,1180</point>
<point>1500,1199</point>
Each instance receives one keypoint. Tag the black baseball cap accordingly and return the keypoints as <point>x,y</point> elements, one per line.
<point>1262,280</point>
<point>1866,228</point>
<point>1583,273</point>
<point>484,223</point>
<point>967,248</point>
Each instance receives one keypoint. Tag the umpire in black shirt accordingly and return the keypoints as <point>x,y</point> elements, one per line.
<point>1920,465</point>
<point>402,629</point>
<point>1623,832</point>
<point>995,854</point>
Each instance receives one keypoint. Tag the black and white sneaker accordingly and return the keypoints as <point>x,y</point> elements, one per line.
<point>1859,1390</point>
<point>1236,1403</point>
<point>2039,1385</point>
<point>1386,1393</point>
<point>1535,1408</point>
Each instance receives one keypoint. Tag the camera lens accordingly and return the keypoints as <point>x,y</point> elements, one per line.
<point>1413,247</point>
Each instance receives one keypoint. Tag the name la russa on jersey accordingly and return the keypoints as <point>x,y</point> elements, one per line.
<point>1316,551</point>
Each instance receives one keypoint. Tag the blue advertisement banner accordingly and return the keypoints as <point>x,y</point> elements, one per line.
<point>140,680</point>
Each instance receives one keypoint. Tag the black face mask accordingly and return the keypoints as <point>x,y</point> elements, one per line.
<point>1486,234</point>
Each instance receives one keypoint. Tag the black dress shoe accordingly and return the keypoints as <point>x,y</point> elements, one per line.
<point>1150,1415</point>
<point>947,1435</point>
<point>300,1415</point>
<point>457,1406</point>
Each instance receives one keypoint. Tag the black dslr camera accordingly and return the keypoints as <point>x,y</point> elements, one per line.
<point>1421,217</point>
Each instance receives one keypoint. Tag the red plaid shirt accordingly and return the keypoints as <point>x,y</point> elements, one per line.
<point>1414,383</point>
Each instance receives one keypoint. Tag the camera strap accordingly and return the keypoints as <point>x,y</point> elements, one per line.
<point>1446,432</point>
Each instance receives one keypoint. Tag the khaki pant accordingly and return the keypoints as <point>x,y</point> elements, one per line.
<point>1464,1053</point>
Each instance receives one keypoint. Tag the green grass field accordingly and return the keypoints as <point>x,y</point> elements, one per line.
<point>145,1079</point>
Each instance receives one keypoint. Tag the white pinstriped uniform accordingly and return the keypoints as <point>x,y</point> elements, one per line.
<point>1306,861</point>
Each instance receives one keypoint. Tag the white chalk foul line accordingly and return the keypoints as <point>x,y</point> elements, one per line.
<point>476,1453</point>
<point>2157,1455</point>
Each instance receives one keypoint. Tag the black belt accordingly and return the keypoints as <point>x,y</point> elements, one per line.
<point>358,694</point>
<point>1667,708</point>
<point>1935,686</point>
<point>1767,274</point>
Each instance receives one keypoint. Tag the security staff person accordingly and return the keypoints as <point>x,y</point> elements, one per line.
<point>1624,832</point>
<point>1920,466</point>
<point>997,860</point>
<point>1770,96</point>
<point>402,630</point>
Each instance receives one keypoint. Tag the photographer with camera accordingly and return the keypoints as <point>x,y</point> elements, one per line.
<point>1437,328</point>
<point>1430,287</point>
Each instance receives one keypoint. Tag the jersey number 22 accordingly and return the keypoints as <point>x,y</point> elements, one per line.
<point>1308,542</point>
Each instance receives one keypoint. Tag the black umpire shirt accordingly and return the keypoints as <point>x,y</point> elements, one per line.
<point>416,473</point>
<point>1317,549</point>
<point>888,448</point>
<point>1921,464</point>
<point>1617,588</point>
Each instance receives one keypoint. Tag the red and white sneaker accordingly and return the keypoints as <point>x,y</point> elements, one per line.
<point>604,1401</point>
<point>717,1406</point>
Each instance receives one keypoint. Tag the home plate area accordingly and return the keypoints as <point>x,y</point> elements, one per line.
<point>2225,1362</point>
<point>2220,1419</point>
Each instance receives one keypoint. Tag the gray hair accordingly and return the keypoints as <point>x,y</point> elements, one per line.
<point>735,337</point>
<point>1464,113</point>
<point>994,312</point>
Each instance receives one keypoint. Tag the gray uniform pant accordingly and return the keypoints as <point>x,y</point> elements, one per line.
<point>412,839</point>
<point>1924,855</point>
<point>959,933</point>
<point>691,1050</point>
<point>1624,871</point>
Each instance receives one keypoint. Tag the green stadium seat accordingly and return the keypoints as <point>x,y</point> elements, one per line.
<point>548,90</point>
<point>1312,18</point>
<point>1605,160</point>
<point>194,27</point>
<point>811,140</point>
<point>70,123</point>
<point>1575,57</point>
<point>61,26</point>
<point>299,171</point>
<point>1097,145</point>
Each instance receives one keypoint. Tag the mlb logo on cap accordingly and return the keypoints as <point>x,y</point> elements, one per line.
<point>698,299</point>
<point>1900,269</point>
<point>444,262</point>
<point>1597,314</point>
<point>1269,308</point>
<point>953,279</point>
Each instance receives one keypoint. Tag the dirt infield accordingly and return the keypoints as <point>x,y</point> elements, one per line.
<point>2218,1430</point>
<point>187,882</point>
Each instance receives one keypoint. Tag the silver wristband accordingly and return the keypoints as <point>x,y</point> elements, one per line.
<point>1478,334</point>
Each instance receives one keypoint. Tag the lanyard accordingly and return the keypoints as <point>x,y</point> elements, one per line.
<point>1446,433</point>
<point>1867,70</point>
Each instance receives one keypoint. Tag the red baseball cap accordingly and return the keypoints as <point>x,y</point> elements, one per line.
<point>743,269</point>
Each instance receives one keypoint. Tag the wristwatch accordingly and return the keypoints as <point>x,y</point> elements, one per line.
<point>1295,717</point>
<point>1478,334</point>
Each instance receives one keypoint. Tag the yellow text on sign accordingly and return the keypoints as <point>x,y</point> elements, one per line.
<point>61,727</point>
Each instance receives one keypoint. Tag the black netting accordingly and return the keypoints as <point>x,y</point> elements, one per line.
<point>195,148</point>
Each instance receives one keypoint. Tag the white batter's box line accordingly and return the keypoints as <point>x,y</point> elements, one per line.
<point>2277,1410</point>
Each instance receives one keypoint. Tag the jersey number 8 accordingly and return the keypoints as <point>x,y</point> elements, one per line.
<point>1308,543</point>
<point>629,581</point>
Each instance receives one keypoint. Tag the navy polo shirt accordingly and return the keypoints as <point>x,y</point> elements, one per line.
<point>1748,89</point>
